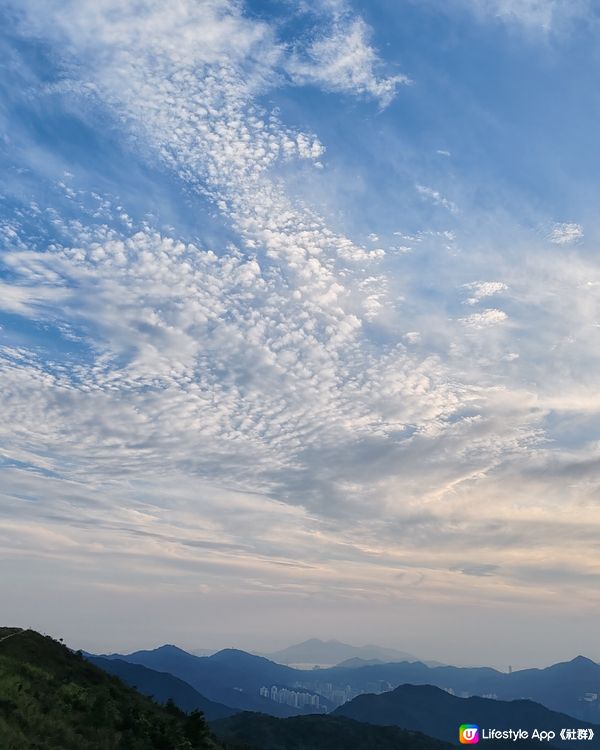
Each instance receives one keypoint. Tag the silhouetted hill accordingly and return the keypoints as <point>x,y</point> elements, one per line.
<point>561,687</point>
<point>260,732</point>
<point>230,677</point>
<point>234,677</point>
<point>428,709</point>
<point>161,686</point>
<point>568,687</point>
<point>315,651</point>
<point>242,660</point>
<point>53,699</point>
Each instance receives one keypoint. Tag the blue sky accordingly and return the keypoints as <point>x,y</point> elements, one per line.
<point>299,322</point>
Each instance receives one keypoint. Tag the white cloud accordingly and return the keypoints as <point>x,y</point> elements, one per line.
<point>481,289</point>
<point>486,318</point>
<point>343,60</point>
<point>212,385</point>
<point>566,234</point>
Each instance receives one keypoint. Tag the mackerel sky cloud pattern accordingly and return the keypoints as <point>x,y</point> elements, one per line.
<point>217,380</point>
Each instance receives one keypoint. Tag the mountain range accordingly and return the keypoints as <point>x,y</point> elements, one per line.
<point>570,687</point>
<point>53,698</point>
<point>425,708</point>
<point>329,653</point>
<point>229,677</point>
<point>234,678</point>
<point>162,686</point>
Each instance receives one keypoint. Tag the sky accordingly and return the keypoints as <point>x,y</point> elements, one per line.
<point>300,324</point>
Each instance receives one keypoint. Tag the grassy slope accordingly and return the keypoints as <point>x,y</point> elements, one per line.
<point>52,699</point>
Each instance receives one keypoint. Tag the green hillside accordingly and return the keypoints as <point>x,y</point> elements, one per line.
<point>52,699</point>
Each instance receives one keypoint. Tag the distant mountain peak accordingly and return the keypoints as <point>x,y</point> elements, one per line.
<point>579,662</point>
<point>236,654</point>
<point>166,650</point>
<point>583,660</point>
<point>330,652</point>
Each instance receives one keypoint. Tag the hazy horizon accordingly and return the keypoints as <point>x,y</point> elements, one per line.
<point>300,324</point>
<point>131,644</point>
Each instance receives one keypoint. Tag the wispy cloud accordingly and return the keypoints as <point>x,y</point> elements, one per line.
<point>542,14</point>
<point>437,198</point>
<point>342,59</point>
